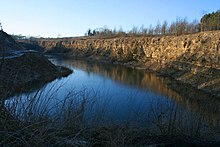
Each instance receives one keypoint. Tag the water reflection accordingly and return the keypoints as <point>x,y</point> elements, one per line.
<point>115,92</point>
<point>123,75</point>
<point>193,100</point>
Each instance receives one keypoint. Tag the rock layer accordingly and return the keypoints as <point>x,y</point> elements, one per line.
<point>193,59</point>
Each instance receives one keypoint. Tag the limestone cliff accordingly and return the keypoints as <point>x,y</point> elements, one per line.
<point>193,59</point>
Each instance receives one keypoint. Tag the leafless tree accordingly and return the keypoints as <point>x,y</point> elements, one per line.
<point>150,30</point>
<point>134,31</point>
<point>157,30</point>
<point>178,27</point>
<point>164,28</point>
<point>143,30</point>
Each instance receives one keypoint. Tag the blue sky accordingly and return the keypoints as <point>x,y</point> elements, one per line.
<point>48,18</point>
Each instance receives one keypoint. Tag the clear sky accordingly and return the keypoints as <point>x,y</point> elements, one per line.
<point>48,18</point>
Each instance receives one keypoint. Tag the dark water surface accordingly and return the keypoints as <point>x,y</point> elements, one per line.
<point>114,94</point>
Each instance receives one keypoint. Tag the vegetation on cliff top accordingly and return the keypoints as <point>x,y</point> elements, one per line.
<point>208,22</point>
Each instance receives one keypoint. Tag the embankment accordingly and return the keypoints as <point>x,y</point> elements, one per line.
<point>22,70</point>
<point>27,72</point>
<point>192,59</point>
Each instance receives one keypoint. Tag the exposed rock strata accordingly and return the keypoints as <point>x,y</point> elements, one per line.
<point>192,59</point>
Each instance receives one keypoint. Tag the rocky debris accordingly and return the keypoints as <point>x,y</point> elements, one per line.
<point>26,72</point>
<point>8,43</point>
<point>192,59</point>
<point>24,69</point>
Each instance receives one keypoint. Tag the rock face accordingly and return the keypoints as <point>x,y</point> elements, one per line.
<point>192,59</point>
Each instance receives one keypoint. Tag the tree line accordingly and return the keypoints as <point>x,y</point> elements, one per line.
<point>208,22</point>
<point>211,21</point>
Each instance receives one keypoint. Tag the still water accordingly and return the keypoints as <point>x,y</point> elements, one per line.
<point>108,93</point>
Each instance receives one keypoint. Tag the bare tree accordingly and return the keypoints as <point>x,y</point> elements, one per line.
<point>150,30</point>
<point>114,31</point>
<point>178,27</point>
<point>172,28</point>
<point>143,30</point>
<point>164,28</point>
<point>134,31</point>
<point>192,27</point>
<point>157,29</point>
<point>121,32</point>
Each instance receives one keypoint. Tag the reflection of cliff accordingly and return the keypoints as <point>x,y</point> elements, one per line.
<point>190,98</point>
<point>128,76</point>
<point>199,102</point>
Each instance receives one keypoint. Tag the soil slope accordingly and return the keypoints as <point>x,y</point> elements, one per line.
<point>26,70</point>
